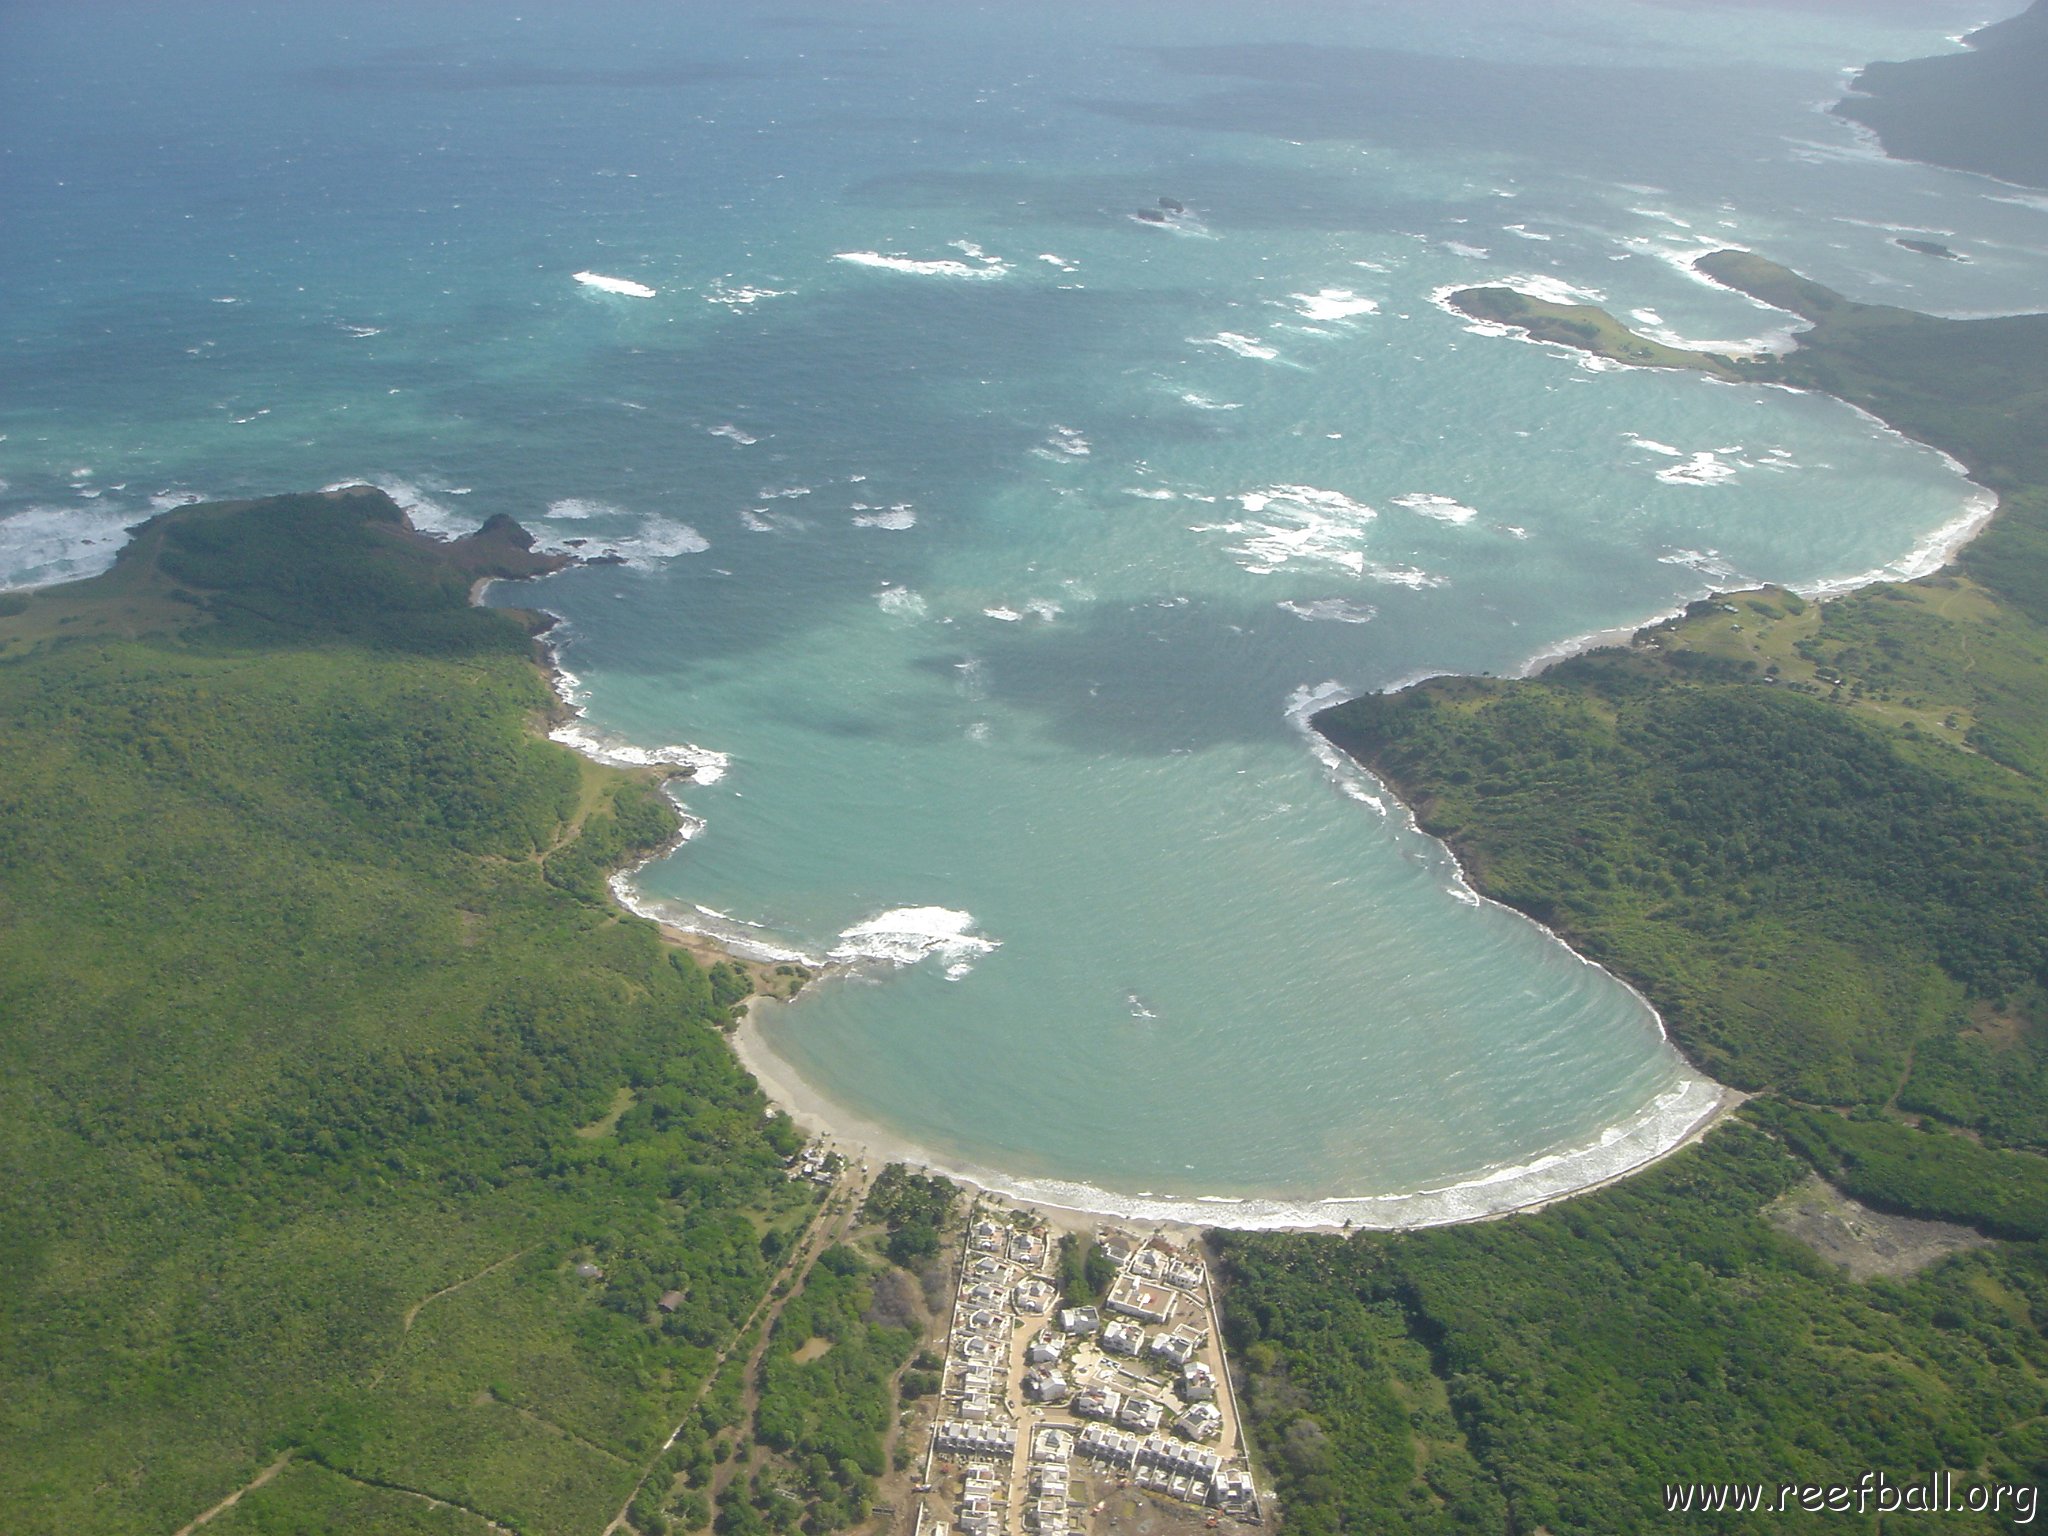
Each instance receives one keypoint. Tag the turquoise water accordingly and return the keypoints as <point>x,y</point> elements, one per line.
<point>986,542</point>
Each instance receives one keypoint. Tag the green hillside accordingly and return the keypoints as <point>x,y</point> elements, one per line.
<point>307,985</point>
<point>1816,837</point>
<point>1983,109</point>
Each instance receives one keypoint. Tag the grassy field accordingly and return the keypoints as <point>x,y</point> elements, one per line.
<point>1586,327</point>
<point>308,985</point>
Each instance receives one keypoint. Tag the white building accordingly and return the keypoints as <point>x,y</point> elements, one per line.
<point>1098,1402</point>
<point>1045,1347</point>
<point>1179,1346</point>
<point>1147,1301</point>
<point>1232,1489</point>
<point>985,1439</point>
<point>1141,1414</point>
<point>1043,1384</point>
<point>1121,1338</point>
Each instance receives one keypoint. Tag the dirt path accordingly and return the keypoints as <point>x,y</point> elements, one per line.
<point>235,1498</point>
<point>558,1429</point>
<point>819,1235</point>
<point>412,1312</point>
<point>424,1498</point>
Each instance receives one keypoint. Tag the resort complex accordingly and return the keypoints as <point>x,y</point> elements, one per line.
<point>1055,1407</point>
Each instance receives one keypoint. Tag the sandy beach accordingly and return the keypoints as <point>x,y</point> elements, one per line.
<point>864,1141</point>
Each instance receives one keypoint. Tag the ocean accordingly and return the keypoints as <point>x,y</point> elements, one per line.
<point>1002,425</point>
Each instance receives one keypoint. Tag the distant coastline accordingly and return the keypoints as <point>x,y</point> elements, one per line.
<point>1983,109</point>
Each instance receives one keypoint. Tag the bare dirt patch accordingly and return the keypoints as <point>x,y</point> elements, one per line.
<point>1120,1511</point>
<point>1867,1243</point>
<point>894,1301</point>
<point>1996,1027</point>
<point>813,1348</point>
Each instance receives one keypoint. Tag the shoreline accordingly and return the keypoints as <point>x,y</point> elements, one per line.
<point>1076,1206</point>
<point>1930,554</point>
<point>1080,1207</point>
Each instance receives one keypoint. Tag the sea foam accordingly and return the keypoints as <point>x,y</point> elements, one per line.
<point>1442,509</point>
<point>1289,523</point>
<point>1238,344</point>
<point>744,296</point>
<point>1929,553</point>
<point>422,509</point>
<point>705,766</point>
<point>906,935</point>
<point>576,508</point>
<point>41,546</point>
<point>1705,467</point>
<point>978,264</point>
<point>659,539</point>
<point>894,519</point>
<point>1336,610</point>
<point>1332,304</point>
<point>902,603</point>
<point>1662,1125</point>
<point>623,286</point>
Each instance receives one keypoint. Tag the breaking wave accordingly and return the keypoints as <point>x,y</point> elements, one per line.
<point>42,546</point>
<point>1238,344</point>
<point>1664,1124</point>
<point>1443,509</point>
<point>421,507</point>
<point>705,766</point>
<point>624,286</point>
<point>894,519</point>
<point>1332,304</point>
<point>659,539</point>
<point>1336,610</point>
<point>742,297</point>
<point>906,935</point>
<point>1289,523</point>
<point>978,264</point>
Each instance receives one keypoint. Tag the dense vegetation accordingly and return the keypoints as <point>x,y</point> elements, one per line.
<point>322,1069</point>
<point>1086,1271</point>
<point>1816,836</point>
<point>1557,1371</point>
<point>915,1208</point>
<point>1979,110</point>
<point>1802,902</point>
<point>826,1400</point>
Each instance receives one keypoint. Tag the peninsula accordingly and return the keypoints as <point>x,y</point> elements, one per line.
<point>1813,834</point>
<point>1983,109</point>
<point>370,1169</point>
